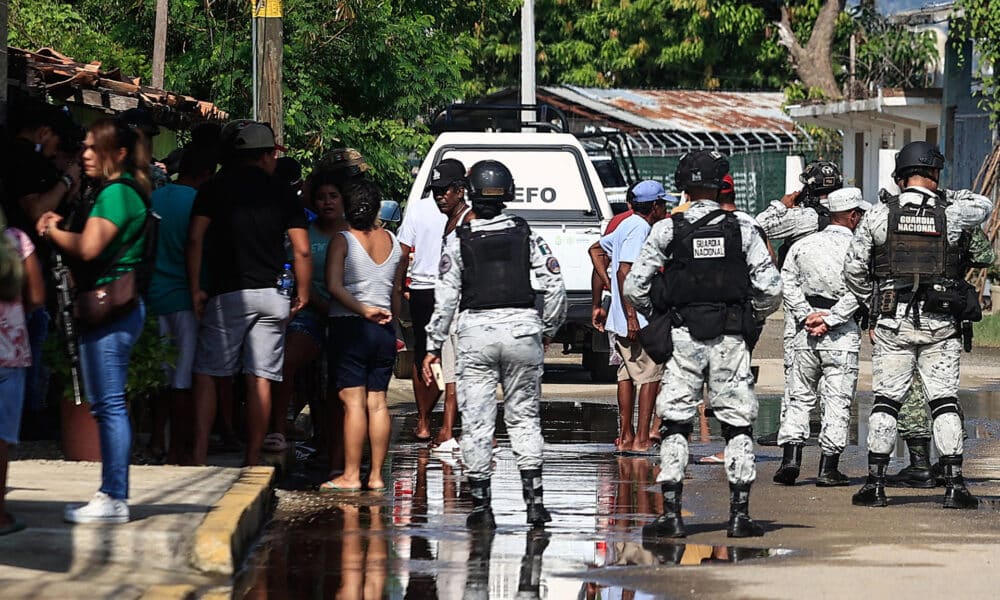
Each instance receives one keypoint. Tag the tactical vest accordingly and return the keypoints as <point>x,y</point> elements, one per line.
<point>708,266</point>
<point>496,267</point>
<point>916,243</point>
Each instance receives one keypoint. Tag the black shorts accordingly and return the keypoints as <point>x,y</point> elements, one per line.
<point>421,310</point>
<point>362,353</point>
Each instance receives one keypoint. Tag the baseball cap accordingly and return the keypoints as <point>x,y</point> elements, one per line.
<point>255,136</point>
<point>728,186</point>
<point>649,191</point>
<point>445,174</point>
<point>846,199</point>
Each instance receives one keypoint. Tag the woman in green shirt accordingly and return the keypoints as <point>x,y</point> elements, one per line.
<point>115,155</point>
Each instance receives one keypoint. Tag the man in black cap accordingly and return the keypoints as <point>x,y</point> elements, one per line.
<point>240,219</point>
<point>421,233</point>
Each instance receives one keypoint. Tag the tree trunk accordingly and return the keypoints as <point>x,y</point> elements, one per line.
<point>813,63</point>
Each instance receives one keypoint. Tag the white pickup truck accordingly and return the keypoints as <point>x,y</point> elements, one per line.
<point>559,193</point>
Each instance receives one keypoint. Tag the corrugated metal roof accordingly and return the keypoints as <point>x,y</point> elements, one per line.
<point>686,110</point>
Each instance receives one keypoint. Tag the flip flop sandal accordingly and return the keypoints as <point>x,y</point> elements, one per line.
<point>329,488</point>
<point>13,527</point>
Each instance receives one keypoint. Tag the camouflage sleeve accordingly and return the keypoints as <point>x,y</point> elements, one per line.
<point>859,255</point>
<point>981,254</point>
<point>967,210</point>
<point>780,222</point>
<point>447,294</point>
<point>795,301</point>
<point>548,274</point>
<point>651,258</point>
<point>764,276</point>
<point>842,312</point>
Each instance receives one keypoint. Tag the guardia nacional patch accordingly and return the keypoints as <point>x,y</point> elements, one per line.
<point>553,265</point>
<point>445,265</point>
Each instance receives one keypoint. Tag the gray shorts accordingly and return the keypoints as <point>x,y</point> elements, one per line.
<point>243,327</point>
<point>181,330</point>
<point>448,360</point>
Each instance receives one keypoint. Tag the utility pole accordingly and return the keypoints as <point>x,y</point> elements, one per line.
<point>3,62</point>
<point>160,42</point>
<point>268,46</point>
<point>528,61</point>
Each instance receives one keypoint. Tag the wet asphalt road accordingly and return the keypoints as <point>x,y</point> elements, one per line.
<point>411,542</point>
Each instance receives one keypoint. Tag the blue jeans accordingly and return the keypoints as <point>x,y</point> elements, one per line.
<point>37,383</point>
<point>104,358</point>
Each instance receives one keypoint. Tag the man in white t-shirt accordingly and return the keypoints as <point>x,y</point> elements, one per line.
<point>420,233</point>
<point>618,250</point>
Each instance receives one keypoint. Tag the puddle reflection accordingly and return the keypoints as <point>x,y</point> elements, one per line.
<point>412,542</point>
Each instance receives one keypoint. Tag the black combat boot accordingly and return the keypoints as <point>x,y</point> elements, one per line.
<point>740,523</point>
<point>956,495</point>
<point>872,493</point>
<point>531,487</point>
<point>481,516</point>
<point>829,472</point>
<point>669,524</point>
<point>530,579</point>
<point>918,473</point>
<point>791,464</point>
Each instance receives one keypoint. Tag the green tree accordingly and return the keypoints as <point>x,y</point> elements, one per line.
<point>980,24</point>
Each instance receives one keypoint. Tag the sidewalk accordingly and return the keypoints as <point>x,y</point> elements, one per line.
<point>187,525</point>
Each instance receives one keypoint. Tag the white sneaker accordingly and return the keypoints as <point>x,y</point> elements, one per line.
<point>447,447</point>
<point>102,509</point>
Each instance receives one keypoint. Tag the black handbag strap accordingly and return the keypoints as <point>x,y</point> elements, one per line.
<point>130,243</point>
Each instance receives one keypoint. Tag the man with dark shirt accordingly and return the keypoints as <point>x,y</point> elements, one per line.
<point>238,223</point>
<point>35,184</point>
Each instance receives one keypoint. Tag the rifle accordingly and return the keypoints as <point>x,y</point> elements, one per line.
<point>64,299</point>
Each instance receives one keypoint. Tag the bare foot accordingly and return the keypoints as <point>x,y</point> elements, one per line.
<point>442,437</point>
<point>376,483</point>
<point>422,431</point>
<point>624,443</point>
<point>638,446</point>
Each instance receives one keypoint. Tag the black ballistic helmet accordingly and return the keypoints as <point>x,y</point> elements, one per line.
<point>820,177</point>
<point>490,181</point>
<point>701,169</point>
<point>917,157</point>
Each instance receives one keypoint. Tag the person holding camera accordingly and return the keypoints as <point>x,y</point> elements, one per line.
<point>904,264</point>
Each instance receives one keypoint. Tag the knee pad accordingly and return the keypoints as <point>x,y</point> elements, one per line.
<point>669,428</point>
<point>887,406</point>
<point>943,406</point>
<point>731,431</point>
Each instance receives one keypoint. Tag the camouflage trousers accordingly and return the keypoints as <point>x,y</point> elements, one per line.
<point>724,364</point>
<point>511,355</point>
<point>933,352</point>
<point>830,376</point>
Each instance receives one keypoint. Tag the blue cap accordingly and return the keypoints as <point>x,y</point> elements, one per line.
<point>649,191</point>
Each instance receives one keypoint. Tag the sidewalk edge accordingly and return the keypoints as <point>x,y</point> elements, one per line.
<point>222,539</point>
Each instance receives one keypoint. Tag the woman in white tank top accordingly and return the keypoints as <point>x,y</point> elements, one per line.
<point>364,275</point>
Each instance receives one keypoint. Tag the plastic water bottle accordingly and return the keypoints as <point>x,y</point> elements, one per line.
<point>286,281</point>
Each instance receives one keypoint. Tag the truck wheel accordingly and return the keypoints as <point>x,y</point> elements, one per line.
<point>600,370</point>
<point>403,369</point>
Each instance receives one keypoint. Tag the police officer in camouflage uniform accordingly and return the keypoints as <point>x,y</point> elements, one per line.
<point>904,263</point>
<point>490,272</point>
<point>791,219</point>
<point>718,284</point>
<point>826,343</point>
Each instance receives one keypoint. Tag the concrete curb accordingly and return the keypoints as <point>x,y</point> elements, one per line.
<point>222,539</point>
